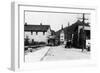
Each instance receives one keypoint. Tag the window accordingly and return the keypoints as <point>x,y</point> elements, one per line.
<point>36,33</point>
<point>31,33</point>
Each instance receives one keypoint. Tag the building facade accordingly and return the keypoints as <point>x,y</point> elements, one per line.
<point>38,33</point>
<point>62,36</point>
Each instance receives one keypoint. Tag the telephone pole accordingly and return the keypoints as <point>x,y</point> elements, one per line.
<point>83,19</point>
<point>83,39</point>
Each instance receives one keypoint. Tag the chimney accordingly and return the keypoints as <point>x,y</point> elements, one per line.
<point>68,24</point>
<point>25,24</point>
<point>40,23</point>
<point>62,27</point>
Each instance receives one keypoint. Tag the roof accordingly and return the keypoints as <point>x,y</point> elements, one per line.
<point>42,28</point>
<point>52,32</point>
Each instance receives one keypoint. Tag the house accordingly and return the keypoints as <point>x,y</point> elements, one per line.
<point>72,32</point>
<point>78,35</point>
<point>38,33</point>
<point>51,38</point>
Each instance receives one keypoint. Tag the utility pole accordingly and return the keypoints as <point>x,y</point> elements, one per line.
<point>83,19</point>
<point>67,31</point>
<point>83,39</point>
<point>68,24</point>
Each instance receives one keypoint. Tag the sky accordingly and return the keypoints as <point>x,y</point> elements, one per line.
<point>55,20</point>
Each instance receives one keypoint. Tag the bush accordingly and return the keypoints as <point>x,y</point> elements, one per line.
<point>26,49</point>
<point>41,43</point>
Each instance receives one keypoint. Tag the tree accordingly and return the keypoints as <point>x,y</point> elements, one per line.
<point>26,41</point>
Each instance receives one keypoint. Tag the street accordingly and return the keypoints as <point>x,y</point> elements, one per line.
<point>57,53</point>
<point>61,53</point>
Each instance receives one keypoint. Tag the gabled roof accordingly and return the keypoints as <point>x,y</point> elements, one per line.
<point>41,28</point>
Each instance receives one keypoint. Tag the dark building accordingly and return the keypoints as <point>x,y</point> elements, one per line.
<point>72,32</point>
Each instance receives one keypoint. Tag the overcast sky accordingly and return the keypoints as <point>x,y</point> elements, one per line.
<point>55,20</point>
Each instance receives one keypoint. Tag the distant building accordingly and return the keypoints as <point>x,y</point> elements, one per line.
<point>38,33</point>
<point>51,38</point>
<point>62,36</point>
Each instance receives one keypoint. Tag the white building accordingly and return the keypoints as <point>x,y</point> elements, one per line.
<point>62,36</point>
<point>38,33</point>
